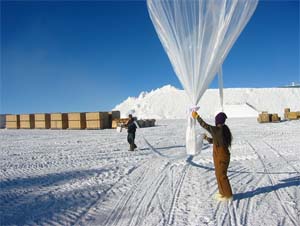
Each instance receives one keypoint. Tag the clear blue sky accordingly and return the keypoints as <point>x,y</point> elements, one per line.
<point>90,56</point>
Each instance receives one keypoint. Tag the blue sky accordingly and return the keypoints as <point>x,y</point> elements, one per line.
<point>89,56</point>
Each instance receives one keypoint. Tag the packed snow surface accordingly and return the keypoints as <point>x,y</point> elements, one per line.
<point>52,177</point>
<point>169,102</point>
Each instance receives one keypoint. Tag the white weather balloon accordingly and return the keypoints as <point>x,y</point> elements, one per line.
<point>197,36</point>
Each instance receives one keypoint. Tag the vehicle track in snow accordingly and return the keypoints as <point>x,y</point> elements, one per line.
<point>247,181</point>
<point>80,178</point>
<point>132,206</point>
<point>28,179</point>
<point>212,212</point>
<point>243,180</point>
<point>133,195</point>
<point>98,207</point>
<point>176,194</point>
<point>279,194</point>
<point>276,152</point>
<point>237,212</point>
<point>245,207</point>
<point>126,200</point>
<point>201,198</point>
<point>241,209</point>
<point>13,200</point>
<point>143,206</point>
<point>294,197</point>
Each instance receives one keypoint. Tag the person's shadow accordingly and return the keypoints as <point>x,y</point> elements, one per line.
<point>289,182</point>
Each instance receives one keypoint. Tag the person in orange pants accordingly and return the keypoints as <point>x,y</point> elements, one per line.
<point>221,139</point>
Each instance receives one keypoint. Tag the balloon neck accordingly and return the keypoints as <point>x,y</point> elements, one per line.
<point>193,108</point>
<point>189,112</point>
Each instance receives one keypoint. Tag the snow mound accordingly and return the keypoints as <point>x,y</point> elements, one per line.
<point>169,102</point>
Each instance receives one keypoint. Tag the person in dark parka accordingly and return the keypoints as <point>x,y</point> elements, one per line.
<point>221,139</point>
<point>131,129</point>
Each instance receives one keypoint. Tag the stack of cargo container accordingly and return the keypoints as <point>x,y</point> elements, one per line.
<point>13,121</point>
<point>113,115</point>
<point>42,121</point>
<point>97,120</point>
<point>291,115</point>
<point>59,121</point>
<point>77,120</point>
<point>141,122</point>
<point>266,117</point>
<point>27,121</point>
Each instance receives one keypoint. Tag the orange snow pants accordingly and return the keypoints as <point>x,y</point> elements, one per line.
<point>221,157</point>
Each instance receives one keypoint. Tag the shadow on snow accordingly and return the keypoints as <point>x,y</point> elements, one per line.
<point>29,201</point>
<point>290,182</point>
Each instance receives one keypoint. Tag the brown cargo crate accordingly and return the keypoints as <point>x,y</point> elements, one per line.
<point>292,115</point>
<point>117,122</point>
<point>123,120</point>
<point>59,124</point>
<point>260,120</point>
<point>79,124</point>
<point>114,124</point>
<point>12,118</point>
<point>264,117</point>
<point>96,124</point>
<point>13,125</point>
<point>275,118</point>
<point>59,117</point>
<point>96,116</point>
<point>76,116</point>
<point>42,117</point>
<point>27,117</point>
<point>112,116</point>
<point>42,124</point>
<point>27,124</point>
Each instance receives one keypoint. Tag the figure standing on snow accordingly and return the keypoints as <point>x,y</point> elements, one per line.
<point>221,139</point>
<point>131,128</point>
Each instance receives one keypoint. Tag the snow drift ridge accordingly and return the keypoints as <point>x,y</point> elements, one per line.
<point>169,102</point>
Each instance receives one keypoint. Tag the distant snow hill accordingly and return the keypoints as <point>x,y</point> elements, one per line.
<point>169,102</point>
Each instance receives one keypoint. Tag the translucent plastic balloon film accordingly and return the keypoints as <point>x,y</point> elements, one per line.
<point>197,36</point>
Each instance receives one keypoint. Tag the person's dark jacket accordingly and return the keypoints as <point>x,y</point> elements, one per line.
<point>215,131</point>
<point>131,126</point>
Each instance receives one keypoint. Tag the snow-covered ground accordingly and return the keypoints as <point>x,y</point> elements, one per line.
<point>52,177</point>
<point>169,102</point>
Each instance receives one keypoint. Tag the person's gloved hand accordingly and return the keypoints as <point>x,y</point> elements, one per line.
<point>195,114</point>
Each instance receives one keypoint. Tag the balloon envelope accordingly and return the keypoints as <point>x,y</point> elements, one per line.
<point>197,36</point>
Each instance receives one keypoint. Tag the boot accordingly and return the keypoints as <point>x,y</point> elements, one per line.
<point>225,199</point>
<point>217,196</point>
<point>131,148</point>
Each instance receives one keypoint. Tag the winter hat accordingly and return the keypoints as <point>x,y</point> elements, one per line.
<point>220,118</point>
